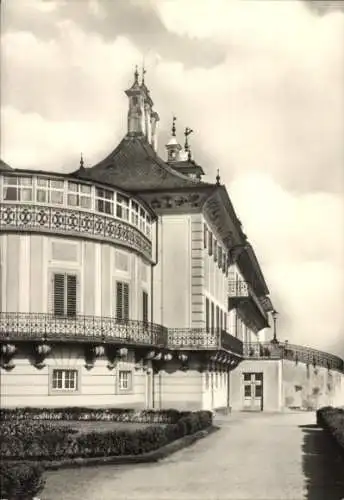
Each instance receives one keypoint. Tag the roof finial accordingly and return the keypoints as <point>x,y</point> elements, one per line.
<point>136,74</point>
<point>174,126</point>
<point>81,161</point>
<point>218,178</point>
<point>144,71</point>
<point>187,132</point>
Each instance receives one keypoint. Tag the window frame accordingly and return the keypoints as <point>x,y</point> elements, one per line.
<point>122,207</point>
<point>125,314</point>
<point>100,197</point>
<point>119,387</point>
<point>53,391</point>
<point>49,189</point>
<point>79,194</point>
<point>18,188</point>
<point>66,275</point>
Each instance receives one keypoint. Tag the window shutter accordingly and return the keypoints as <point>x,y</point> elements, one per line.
<point>126,301</point>
<point>119,300</point>
<point>71,295</point>
<point>59,288</point>
<point>145,307</point>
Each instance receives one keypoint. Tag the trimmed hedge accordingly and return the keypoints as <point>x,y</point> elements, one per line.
<point>20,481</point>
<point>332,420</point>
<point>169,416</point>
<point>22,439</point>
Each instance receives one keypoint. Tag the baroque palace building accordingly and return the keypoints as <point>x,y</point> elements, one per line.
<point>131,283</point>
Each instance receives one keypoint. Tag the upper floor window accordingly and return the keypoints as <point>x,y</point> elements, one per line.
<point>148,226</point>
<point>122,300</point>
<point>79,195</point>
<point>49,191</point>
<point>215,250</point>
<point>205,235</point>
<point>104,201</point>
<point>65,294</point>
<point>122,207</point>
<point>17,189</point>
<point>135,213</point>
<point>219,257</point>
<point>145,307</point>
<point>210,246</point>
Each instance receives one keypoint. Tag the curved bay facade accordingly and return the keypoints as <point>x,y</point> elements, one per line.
<point>132,283</point>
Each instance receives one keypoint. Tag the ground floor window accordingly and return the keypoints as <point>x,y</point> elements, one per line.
<point>65,380</point>
<point>125,380</point>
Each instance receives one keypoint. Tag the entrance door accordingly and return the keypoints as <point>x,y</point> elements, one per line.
<point>253,391</point>
<point>149,388</point>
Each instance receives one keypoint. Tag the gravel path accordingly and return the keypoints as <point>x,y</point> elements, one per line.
<point>253,456</point>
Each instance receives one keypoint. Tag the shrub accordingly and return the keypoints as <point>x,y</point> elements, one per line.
<point>20,481</point>
<point>332,420</point>
<point>40,441</point>
<point>169,416</point>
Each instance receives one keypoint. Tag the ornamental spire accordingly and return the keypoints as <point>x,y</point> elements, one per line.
<point>187,132</point>
<point>218,178</point>
<point>174,126</point>
<point>81,161</point>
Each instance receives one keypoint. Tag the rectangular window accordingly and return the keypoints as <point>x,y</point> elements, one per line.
<point>145,307</point>
<point>50,191</point>
<point>148,226</point>
<point>224,260</point>
<point>259,391</point>
<point>212,316</point>
<point>205,235</point>
<point>17,189</point>
<point>65,294</point>
<point>79,195</point>
<point>65,380</point>
<point>142,220</point>
<point>225,321</point>
<point>217,317</point>
<point>122,301</point>
<point>122,207</point>
<point>104,201</point>
<point>210,246</point>
<point>125,380</point>
<point>219,256</point>
<point>215,250</point>
<point>207,314</point>
<point>134,213</point>
<point>247,391</point>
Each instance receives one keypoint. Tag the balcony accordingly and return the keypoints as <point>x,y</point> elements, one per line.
<point>293,352</point>
<point>242,295</point>
<point>17,217</point>
<point>199,339</point>
<point>35,327</point>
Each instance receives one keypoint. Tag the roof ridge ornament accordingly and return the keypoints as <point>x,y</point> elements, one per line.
<point>174,126</point>
<point>81,161</point>
<point>136,75</point>
<point>187,132</point>
<point>218,178</point>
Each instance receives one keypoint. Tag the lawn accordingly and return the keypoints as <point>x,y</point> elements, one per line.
<point>85,426</point>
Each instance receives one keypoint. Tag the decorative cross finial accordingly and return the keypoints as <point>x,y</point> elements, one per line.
<point>136,74</point>
<point>174,126</point>
<point>81,161</point>
<point>218,178</point>
<point>143,71</point>
<point>187,132</point>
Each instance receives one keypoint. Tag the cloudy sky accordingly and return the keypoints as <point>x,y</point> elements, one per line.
<point>260,82</point>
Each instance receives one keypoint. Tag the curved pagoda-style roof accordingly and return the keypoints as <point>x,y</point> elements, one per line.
<point>134,166</point>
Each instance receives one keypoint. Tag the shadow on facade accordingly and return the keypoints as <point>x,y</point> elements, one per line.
<point>323,467</point>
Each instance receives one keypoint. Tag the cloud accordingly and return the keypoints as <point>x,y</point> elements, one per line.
<point>267,111</point>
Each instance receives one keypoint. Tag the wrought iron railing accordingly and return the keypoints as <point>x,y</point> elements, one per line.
<point>202,339</point>
<point>243,289</point>
<point>74,222</point>
<point>36,326</point>
<point>293,352</point>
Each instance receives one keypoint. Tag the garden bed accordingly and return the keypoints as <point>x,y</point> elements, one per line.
<point>52,438</point>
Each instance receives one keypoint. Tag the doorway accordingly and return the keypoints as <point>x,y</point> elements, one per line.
<point>253,391</point>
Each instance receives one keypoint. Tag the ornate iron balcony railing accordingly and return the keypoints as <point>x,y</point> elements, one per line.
<point>202,339</point>
<point>240,290</point>
<point>72,222</point>
<point>36,326</point>
<point>293,352</point>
